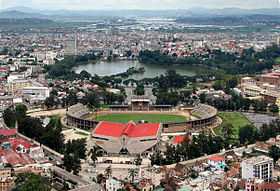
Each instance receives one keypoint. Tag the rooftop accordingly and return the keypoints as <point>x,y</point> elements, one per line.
<point>179,139</point>
<point>8,132</point>
<point>216,158</point>
<point>258,159</point>
<point>130,129</point>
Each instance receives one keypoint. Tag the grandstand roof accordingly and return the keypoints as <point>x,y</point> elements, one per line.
<point>130,129</point>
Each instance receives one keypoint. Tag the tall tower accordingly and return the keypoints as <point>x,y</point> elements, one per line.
<point>70,46</point>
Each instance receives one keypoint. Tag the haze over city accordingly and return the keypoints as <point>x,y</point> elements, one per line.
<point>139,4</point>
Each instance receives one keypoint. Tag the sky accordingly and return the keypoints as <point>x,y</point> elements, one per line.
<point>139,4</point>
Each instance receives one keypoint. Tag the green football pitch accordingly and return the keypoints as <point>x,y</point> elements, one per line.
<point>152,118</point>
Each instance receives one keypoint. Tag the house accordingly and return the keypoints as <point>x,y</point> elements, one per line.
<point>217,162</point>
<point>112,184</point>
<point>146,185</point>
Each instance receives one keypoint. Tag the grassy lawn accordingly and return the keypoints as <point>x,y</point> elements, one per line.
<point>237,120</point>
<point>277,60</point>
<point>153,118</point>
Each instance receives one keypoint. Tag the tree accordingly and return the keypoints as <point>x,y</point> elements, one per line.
<point>227,129</point>
<point>132,172</point>
<point>202,98</point>
<point>157,158</point>
<point>139,90</point>
<point>193,174</point>
<point>94,153</point>
<point>31,127</point>
<point>85,75</point>
<point>9,117</point>
<point>219,85</point>
<point>78,147</point>
<point>72,163</point>
<point>92,100</point>
<point>274,152</point>
<point>50,102</point>
<point>53,137</point>
<point>75,150</point>
<point>31,182</point>
<point>108,171</point>
<point>20,112</point>
<point>71,99</point>
<point>100,178</point>
<point>247,134</point>
<point>227,132</point>
<point>138,160</point>
<point>274,108</point>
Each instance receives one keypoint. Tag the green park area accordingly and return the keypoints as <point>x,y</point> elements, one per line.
<point>235,119</point>
<point>277,60</point>
<point>152,118</point>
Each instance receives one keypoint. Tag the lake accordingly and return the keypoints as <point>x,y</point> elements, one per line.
<point>102,68</point>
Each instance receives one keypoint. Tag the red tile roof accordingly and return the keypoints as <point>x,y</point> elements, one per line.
<point>15,142</point>
<point>130,129</point>
<point>217,158</point>
<point>3,69</point>
<point>13,158</point>
<point>8,132</point>
<point>179,139</point>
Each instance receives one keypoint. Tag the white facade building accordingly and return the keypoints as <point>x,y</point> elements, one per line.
<point>36,94</point>
<point>260,167</point>
<point>113,184</point>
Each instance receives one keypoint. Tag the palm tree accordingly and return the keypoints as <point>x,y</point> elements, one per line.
<point>94,153</point>
<point>138,160</point>
<point>108,171</point>
<point>132,173</point>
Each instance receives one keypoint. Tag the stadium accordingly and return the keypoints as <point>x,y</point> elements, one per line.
<point>183,120</point>
<point>137,132</point>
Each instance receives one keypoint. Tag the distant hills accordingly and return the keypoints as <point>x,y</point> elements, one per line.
<point>230,16</point>
<point>26,12</point>
<point>14,14</point>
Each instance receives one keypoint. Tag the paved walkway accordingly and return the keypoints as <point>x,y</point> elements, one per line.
<point>46,113</point>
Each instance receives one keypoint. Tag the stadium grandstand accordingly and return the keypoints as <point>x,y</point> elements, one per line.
<point>128,138</point>
<point>204,116</point>
<point>75,117</point>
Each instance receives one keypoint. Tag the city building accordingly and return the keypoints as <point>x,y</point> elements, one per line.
<point>218,162</point>
<point>70,47</point>
<point>112,184</point>
<point>17,85</point>
<point>35,94</point>
<point>260,167</point>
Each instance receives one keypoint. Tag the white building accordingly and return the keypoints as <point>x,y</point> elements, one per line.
<point>15,76</point>
<point>35,94</point>
<point>70,47</point>
<point>217,162</point>
<point>252,91</point>
<point>260,167</point>
<point>113,184</point>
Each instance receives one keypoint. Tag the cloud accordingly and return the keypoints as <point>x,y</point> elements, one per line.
<point>139,4</point>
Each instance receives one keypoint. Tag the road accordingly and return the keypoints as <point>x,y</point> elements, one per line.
<point>68,176</point>
<point>46,113</point>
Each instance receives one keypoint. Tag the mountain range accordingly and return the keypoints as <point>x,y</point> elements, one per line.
<point>26,12</point>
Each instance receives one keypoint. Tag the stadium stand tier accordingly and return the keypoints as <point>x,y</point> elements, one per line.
<point>203,116</point>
